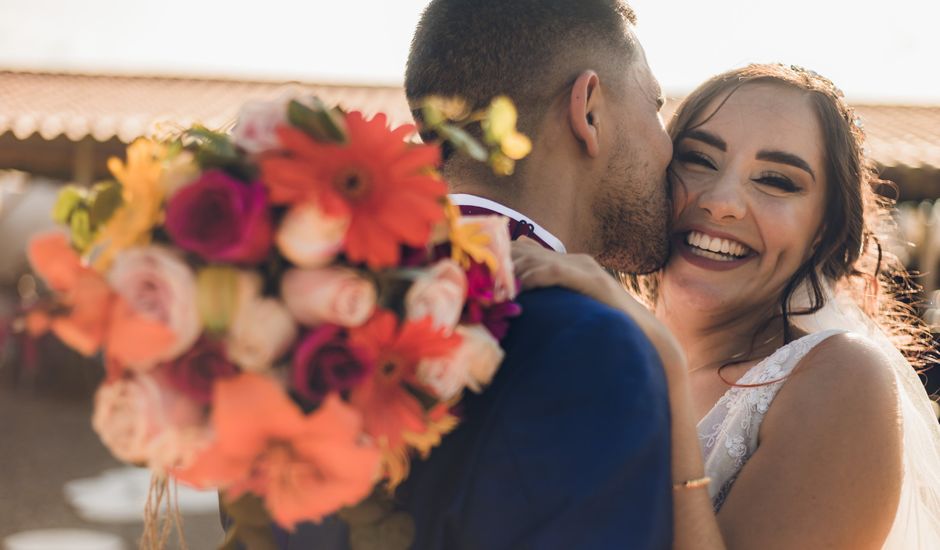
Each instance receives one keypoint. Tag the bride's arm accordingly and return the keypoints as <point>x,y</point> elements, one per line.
<point>695,526</point>
<point>827,473</point>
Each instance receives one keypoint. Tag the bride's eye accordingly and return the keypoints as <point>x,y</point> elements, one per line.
<point>778,181</point>
<point>695,157</point>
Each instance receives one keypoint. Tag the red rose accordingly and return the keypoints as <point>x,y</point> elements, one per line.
<point>195,372</point>
<point>221,219</point>
<point>326,362</point>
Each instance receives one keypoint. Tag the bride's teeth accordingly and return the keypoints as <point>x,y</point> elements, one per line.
<point>714,247</point>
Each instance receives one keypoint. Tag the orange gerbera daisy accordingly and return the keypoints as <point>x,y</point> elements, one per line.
<point>386,186</point>
<point>305,467</point>
<point>391,413</point>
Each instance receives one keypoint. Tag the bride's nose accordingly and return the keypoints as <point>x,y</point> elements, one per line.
<point>723,198</point>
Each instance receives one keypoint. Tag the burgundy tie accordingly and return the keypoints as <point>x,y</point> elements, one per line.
<point>517,228</point>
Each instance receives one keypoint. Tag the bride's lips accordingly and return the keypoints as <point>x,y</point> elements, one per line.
<point>685,250</point>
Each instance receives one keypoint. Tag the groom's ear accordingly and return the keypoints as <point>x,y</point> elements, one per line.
<point>582,110</point>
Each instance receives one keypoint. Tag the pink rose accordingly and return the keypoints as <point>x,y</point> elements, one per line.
<point>497,228</point>
<point>333,295</point>
<point>480,308</point>
<point>472,365</point>
<point>438,293</point>
<point>221,219</point>
<point>142,420</point>
<point>194,373</point>
<point>255,130</point>
<point>156,283</point>
<point>260,334</point>
<point>309,238</point>
<point>326,362</point>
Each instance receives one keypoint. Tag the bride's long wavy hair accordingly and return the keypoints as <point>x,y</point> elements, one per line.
<point>850,252</point>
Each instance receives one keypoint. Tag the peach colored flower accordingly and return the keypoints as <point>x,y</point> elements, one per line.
<point>471,366</point>
<point>333,295</point>
<point>157,284</point>
<point>261,333</point>
<point>304,466</point>
<point>310,238</point>
<point>142,420</point>
<point>439,293</point>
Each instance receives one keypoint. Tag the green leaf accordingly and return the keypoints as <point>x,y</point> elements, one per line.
<point>463,141</point>
<point>70,198</point>
<point>251,524</point>
<point>318,121</point>
<point>80,224</point>
<point>213,149</point>
<point>104,200</point>
<point>173,149</point>
<point>217,296</point>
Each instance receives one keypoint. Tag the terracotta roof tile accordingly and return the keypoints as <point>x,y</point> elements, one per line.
<point>125,107</point>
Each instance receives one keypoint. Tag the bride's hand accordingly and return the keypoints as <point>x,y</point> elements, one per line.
<point>537,267</point>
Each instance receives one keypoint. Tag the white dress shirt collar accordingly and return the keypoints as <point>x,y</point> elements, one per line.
<point>464,199</point>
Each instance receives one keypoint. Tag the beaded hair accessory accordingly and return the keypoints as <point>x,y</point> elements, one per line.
<point>826,85</point>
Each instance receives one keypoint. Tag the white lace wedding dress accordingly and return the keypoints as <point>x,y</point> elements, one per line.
<point>728,436</point>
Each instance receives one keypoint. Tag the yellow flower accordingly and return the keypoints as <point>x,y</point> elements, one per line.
<point>500,129</point>
<point>431,438</point>
<point>396,462</point>
<point>437,110</point>
<point>468,240</point>
<point>142,208</point>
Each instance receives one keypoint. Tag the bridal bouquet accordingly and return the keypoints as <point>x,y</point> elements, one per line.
<point>288,313</point>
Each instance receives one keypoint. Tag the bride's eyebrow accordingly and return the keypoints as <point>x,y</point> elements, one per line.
<point>708,138</point>
<point>782,157</point>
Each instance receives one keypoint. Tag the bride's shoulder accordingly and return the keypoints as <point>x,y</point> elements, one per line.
<point>849,359</point>
<point>846,378</point>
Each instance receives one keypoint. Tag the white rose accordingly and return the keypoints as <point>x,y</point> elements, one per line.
<point>256,128</point>
<point>438,293</point>
<point>160,286</point>
<point>261,332</point>
<point>309,238</point>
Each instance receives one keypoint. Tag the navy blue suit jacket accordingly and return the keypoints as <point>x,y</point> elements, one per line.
<point>567,448</point>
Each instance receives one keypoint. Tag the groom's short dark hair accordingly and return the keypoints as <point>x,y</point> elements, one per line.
<point>478,49</point>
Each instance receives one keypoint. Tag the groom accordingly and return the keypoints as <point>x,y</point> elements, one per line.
<point>569,446</point>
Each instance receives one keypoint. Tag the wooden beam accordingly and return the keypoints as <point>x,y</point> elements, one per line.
<point>83,164</point>
<point>54,158</point>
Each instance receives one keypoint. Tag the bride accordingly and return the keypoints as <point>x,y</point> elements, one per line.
<point>798,419</point>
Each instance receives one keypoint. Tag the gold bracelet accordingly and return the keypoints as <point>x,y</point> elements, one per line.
<point>692,483</point>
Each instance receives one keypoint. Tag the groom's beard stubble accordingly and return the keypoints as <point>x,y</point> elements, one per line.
<point>633,225</point>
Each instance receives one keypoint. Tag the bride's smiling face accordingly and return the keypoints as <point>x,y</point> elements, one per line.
<point>749,188</point>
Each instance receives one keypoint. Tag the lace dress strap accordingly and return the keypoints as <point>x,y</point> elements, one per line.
<point>728,434</point>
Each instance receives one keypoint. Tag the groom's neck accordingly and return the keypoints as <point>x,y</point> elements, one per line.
<point>545,206</point>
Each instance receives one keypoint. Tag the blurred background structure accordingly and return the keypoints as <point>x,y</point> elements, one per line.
<point>80,81</point>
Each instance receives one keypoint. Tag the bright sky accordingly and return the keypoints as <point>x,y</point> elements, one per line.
<point>873,49</point>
